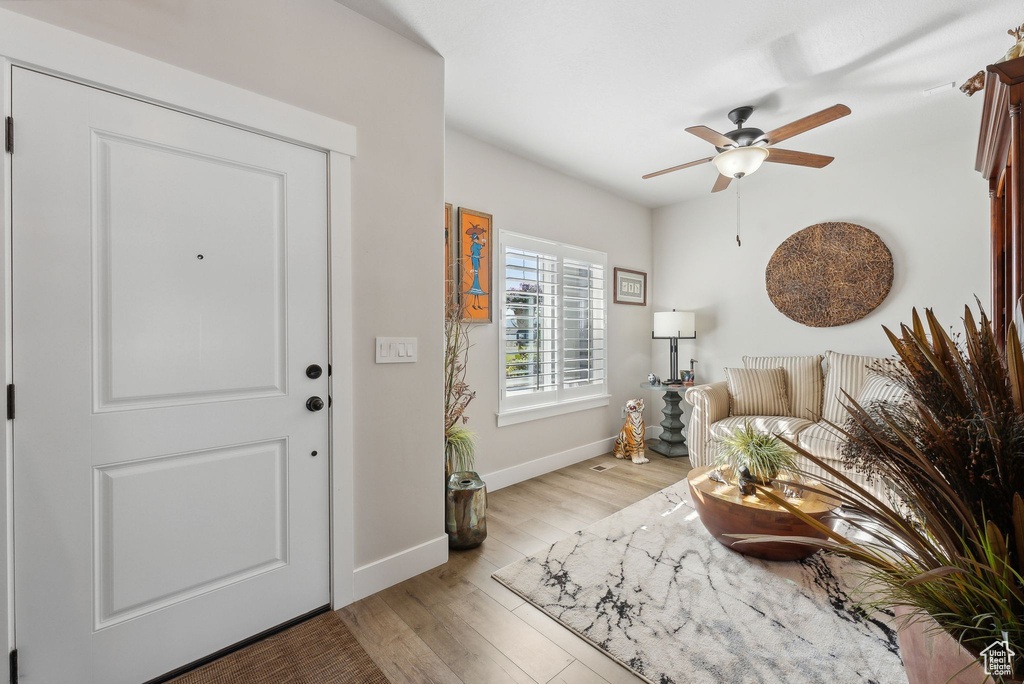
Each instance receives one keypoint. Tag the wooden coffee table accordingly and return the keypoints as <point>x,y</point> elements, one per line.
<point>724,511</point>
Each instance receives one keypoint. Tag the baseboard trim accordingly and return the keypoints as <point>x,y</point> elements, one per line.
<point>506,477</point>
<point>386,572</point>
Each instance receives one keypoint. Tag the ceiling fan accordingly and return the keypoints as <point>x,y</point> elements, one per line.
<point>742,151</point>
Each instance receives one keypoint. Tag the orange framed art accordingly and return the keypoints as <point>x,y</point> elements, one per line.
<point>450,276</point>
<point>474,264</point>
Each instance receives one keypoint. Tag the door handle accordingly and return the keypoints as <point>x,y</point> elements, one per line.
<point>314,403</point>
<point>314,371</point>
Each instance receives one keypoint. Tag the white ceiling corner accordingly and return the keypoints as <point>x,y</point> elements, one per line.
<point>602,89</point>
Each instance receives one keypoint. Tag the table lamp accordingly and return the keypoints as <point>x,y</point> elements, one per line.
<point>673,326</point>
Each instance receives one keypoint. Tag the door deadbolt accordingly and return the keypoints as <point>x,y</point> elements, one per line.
<point>314,371</point>
<point>314,403</point>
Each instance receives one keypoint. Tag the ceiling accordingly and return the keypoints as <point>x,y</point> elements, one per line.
<point>602,89</point>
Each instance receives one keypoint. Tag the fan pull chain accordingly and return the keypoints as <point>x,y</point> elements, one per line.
<point>738,184</point>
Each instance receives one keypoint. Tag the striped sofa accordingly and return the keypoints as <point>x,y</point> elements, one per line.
<point>815,396</point>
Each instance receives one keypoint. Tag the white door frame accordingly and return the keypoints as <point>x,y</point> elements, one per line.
<point>59,52</point>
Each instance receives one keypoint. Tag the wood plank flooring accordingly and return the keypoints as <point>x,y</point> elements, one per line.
<point>454,624</point>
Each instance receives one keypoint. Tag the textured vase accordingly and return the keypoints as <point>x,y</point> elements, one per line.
<point>466,510</point>
<point>932,656</point>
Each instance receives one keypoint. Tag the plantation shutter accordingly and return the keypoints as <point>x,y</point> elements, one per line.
<point>531,323</point>
<point>583,324</point>
<point>554,323</point>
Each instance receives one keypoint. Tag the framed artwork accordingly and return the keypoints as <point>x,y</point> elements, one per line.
<point>630,287</point>
<point>474,264</point>
<point>687,378</point>
<point>449,256</point>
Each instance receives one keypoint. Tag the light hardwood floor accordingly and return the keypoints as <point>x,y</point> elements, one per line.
<point>455,624</point>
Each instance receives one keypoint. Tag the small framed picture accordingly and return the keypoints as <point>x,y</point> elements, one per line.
<point>687,378</point>
<point>630,287</point>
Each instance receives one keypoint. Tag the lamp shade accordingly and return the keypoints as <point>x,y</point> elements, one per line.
<point>740,161</point>
<point>674,324</point>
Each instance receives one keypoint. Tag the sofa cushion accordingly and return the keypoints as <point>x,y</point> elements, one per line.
<point>783,426</point>
<point>1018,320</point>
<point>804,381</point>
<point>845,372</point>
<point>757,391</point>
<point>874,485</point>
<point>823,441</point>
<point>880,389</point>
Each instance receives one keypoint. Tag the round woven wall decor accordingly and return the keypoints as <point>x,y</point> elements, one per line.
<point>829,274</point>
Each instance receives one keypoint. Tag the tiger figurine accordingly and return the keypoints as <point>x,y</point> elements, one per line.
<point>630,441</point>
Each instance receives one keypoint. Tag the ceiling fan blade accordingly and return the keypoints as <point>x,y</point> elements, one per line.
<point>807,123</point>
<point>722,183</point>
<point>816,161</point>
<point>712,136</point>
<point>705,160</point>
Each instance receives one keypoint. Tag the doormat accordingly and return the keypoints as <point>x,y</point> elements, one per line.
<point>321,650</point>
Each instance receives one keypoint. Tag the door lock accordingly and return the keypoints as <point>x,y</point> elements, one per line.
<point>313,371</point>
<point>314,404</point>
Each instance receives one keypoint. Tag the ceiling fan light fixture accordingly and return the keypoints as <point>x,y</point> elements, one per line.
<point>738,162</point>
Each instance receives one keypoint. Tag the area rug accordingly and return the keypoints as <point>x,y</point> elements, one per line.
<point>320,650</point>
<point>655,591</point>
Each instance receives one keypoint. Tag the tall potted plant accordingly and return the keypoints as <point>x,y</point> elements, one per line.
<point>466,494</point>
<point>948,546</point>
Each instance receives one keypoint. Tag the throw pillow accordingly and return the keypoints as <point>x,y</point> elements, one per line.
<point>804,381</point>
<point>845,372</point>
<point>880,389</point>
<point>757,391</point>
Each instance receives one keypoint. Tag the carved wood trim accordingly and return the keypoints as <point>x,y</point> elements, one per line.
<point>997,264</point>
<point>1000,160</point>
<point>994,137</point>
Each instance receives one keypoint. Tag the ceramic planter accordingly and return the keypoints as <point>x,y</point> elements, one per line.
<point>466,510</point>
<point>932,656</point>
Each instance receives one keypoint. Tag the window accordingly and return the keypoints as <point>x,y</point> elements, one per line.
<point>553,350</point>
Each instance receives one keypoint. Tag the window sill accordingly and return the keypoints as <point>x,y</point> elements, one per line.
<point>529,413</point>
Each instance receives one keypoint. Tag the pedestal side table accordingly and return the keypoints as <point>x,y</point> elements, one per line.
<point>672,442</point>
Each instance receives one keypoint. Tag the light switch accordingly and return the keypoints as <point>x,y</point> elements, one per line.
<point>396,349</point>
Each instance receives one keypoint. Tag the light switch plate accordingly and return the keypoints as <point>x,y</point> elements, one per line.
<point>396,349</point>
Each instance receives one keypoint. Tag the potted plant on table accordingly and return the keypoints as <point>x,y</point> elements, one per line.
<point>466,494</point>
<point>754,457</point>
<point>948,545</point>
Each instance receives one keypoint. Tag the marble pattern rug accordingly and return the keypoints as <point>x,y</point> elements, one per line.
<point>655,591</point>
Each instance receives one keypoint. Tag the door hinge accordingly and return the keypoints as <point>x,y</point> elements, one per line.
<point>10,402</point>
<point>14,666</point>
<point>9,134</point>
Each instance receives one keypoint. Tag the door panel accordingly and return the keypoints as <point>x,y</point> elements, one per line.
<point>173,499</point>
<point>201,239</point>
<point>167,503</point>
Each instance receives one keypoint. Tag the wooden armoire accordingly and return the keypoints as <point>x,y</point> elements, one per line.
<point>1001,162</point>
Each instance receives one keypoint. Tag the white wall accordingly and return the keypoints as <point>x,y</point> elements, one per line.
<point>926,202</point>
<point>527,198</point>
<point>323,57</point>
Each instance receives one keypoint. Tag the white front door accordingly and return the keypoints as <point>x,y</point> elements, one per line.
<point>169,293</point>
